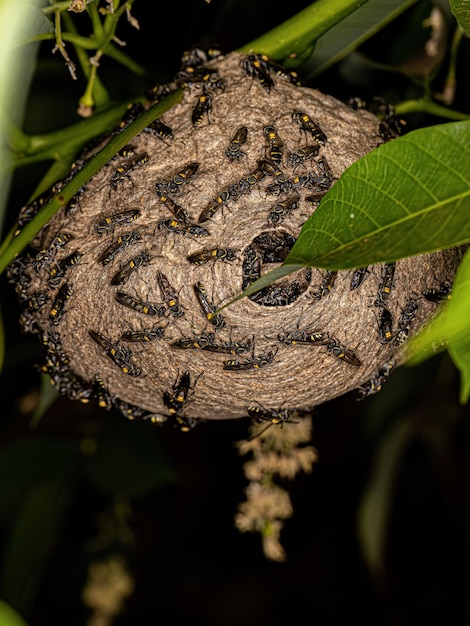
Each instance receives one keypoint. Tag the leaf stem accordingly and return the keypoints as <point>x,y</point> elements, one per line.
<point>425,105</point>
<point>81,178</point>
<point>290,39</point>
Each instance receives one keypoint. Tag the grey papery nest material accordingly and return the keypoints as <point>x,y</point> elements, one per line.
<point>121,285</point>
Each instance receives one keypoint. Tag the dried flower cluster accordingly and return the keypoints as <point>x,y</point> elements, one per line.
<point>122,285</point>
<point>275,453</point>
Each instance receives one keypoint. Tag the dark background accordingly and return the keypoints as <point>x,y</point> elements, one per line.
<point>188,560</point>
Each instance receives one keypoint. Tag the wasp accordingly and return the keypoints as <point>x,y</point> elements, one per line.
<point>191,75</point>
<point>169,295</point>
<point>385,287</point>
<point>281,182</point>
<point>257,66</point>
<point>251,266</point>
<point>27,213</point>
<point>198,56</point>
<point>183,228</point>
<point>207,307</point>
<point>326,285</point>
<point>325,176</point>
<point>273,245</point>
<point>107,224</point>
<point>303,154</point>
<point>234,151</point>
<point>122,242</point>
<point>119,355</point>
<point>443,292</point>
<point>37,300</point>
<point>314,198</point>
<point>123,274</point>
<point>254,177</point>
<point>283,208</point>
<point>46,256</point>
<point>203,107</point>
<point>77,388</point>
<point>358,277</point>
<point>315,337</point>
<point>344,354</point>
<point>175,401</point>
<point>57,271</point>
<point>390,126</point>
<point>176,182</point>
<point>185,424</point>
<point>58,305</point>
<point>407,316</point>
<point>198,343</point>
<point>213,206</point>
<point>182,177</point>
<point>178,211</point>
<point>160,129</point>
<point>278,295</point>
<point>122,171</point>
<point>131,411</point>
<point>232,347</point>
<point>55,361</point>
<point>280,71</point>
<point>136,336</point>
<point>272,416</point>
<point>309,126</point>
<point>28,323</point>
<point>255,362</point>
<point>274,145</point>
<point>212,254</point>
<point>141,306</point>
<point>385,325</point>
<point>101,394</point>
<point>375,384</point>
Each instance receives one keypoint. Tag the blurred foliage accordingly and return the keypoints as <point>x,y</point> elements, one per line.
<point>81,485</point>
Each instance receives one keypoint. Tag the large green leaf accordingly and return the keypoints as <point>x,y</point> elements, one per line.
<point>406,197</point>
<point>461,10</point>
<point>451,329</point>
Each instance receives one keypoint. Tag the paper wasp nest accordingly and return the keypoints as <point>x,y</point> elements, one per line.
<point>122,284</point>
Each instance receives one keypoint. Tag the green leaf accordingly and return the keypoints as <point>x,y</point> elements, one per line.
<point>24,463</point>
<point>450,328</point>
<point>461,10</point>
<point>353,31</point>
<point>9,617</point>
<point>375,508</point>
<point>17,19</point>
<point>32,537</point>
<point>407,197</point>
<point>47,396</point>
<point>17,244</point>
<point>460,353</point>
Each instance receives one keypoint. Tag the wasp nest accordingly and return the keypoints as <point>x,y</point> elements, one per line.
<point>123,283</point>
